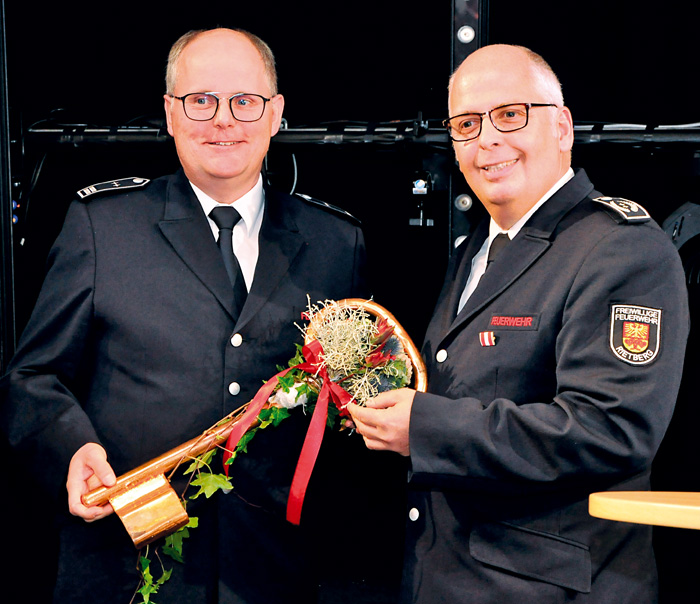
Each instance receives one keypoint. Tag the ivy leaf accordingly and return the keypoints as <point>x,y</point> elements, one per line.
<point>333,413</point>
<point>264,418</point>
<point>174,554</point>
<point>211,483</point>
<point>278,414</point>
<point>242,445</point>
<point>146,592</point>
<point>286,382</point>
<point>201,461</point>
<point>145,568</point>
<point>298,358</point>
<point>173,544</point>
<point>304,388</point>
<point>148,587</point>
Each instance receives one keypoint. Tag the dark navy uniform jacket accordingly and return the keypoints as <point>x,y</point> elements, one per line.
<point>557,379</point>
<point>132,345</point>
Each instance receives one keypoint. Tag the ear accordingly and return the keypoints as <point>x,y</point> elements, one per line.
<point>277,107</point>
<point>168,106</point>
<point>565,130</point>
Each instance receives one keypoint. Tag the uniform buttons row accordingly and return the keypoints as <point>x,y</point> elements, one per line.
<point>234,388</point>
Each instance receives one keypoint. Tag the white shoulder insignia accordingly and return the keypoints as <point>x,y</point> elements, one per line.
<point>113,185</point>
<point>623,208</point>
<point>327,206</point>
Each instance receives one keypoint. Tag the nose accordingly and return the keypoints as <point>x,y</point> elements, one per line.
<point>489,135</point>
<point>224,115</point>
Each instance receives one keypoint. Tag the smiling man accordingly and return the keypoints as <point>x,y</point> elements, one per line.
<point>554,358</point>
<point>146,333</point>
<point>220,153</point>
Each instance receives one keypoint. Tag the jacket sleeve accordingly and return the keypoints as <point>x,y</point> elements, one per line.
<point>41,415</point>
<point>607,416</point>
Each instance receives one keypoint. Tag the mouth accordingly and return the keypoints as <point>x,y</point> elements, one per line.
<point>493,168</point>
<point>223,143</point>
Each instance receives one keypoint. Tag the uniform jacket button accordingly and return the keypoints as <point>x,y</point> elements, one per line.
<point>441,356</point>
<point>234,388</point>
<point>236,340</point>
<point>413,514</point>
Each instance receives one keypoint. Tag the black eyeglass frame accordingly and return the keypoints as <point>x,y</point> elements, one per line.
<point>218,100</point>
<point>528,106</point>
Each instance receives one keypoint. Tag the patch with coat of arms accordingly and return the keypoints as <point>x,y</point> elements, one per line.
<point>635,333</point>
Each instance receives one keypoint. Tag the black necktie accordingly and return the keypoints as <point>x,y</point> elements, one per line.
<point>226,217</point>
<point>500,241</point>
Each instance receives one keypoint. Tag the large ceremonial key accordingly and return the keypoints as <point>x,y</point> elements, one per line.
<point>143,499</point>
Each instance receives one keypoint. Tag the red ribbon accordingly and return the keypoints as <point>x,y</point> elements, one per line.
<point>313,354</point>
<point>312,443</point>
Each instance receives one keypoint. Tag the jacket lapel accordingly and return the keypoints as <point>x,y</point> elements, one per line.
<point>532,241</point>
<point>186,227</point>
<point>279,244</point>
<point>513,261</point>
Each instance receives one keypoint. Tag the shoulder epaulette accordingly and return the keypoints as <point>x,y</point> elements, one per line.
<point>113,185</point>
<point>327,206</point>
<point>624,210</point>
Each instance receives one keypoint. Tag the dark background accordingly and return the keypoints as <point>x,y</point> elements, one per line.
<point>619,61</point>
<point>83,64</point>
<point>89,65</point>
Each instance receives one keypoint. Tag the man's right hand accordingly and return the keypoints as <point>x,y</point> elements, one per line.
<point>88,470</point>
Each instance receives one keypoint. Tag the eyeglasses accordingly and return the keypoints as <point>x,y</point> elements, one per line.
<point>202,106</point>
<point>506,118</point>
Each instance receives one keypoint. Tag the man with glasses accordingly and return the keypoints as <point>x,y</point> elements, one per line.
<point>553,365</point>
<point>146,333</point>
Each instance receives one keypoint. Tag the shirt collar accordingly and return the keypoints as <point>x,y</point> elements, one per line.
<point>249,206</point>
<point>494,229</point>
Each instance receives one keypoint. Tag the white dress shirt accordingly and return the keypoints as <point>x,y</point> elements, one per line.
<point>479,261</point>
<point>245,234</point>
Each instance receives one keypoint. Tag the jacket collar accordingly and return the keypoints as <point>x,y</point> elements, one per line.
<point>531,242</point>
<point>185,226</point>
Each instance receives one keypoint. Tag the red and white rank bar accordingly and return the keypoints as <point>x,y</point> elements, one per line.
<point>487,338</point>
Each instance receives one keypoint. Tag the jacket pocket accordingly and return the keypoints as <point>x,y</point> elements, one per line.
<point>532,554</point>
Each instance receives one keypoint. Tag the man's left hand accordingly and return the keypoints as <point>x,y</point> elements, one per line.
<point>384,422</point>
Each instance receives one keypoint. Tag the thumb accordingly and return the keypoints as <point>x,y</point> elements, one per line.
<point>103,471</point>
<point>95,463</point>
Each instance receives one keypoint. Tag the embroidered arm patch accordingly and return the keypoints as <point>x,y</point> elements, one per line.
<point>635,333</point>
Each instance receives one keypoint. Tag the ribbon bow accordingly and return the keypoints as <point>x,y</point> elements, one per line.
<point>313,355</point>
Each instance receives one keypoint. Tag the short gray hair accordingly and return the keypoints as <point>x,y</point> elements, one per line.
<point>177,48</point>
<point>547,80</point>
